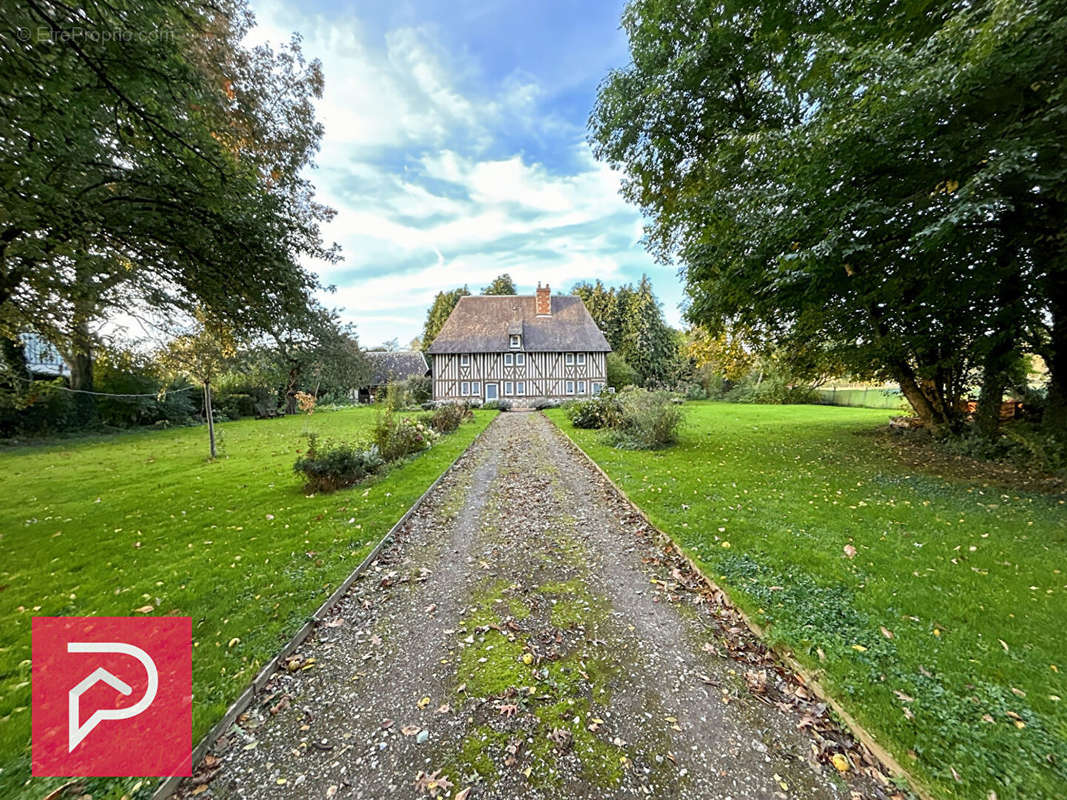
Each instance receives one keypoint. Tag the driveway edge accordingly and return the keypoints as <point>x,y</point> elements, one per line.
<point>165,789</point>
<point>808,678</point>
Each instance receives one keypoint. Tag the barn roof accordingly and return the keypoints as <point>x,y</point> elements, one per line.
<point>481,324</point>
<point>397,365</point>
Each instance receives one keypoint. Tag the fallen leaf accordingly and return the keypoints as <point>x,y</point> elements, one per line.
<point>840,761</point>
<point>508,710</point>
<point>885,632</point>
<point>850,551</point>
<point>145,610</point>
<point>432,783</point>
<point>423,702</point>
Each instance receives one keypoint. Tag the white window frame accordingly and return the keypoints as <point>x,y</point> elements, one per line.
<point>520,388</point>
<point>509,389</point>
<point>464,389</point>
<point>465,360</point>
<point>520,359</point>
<point>569,387</point>
<point>597,387</point>
<point>476,388</point>
<point>509,359</point>
<point>515,341</point>
<point>581,387</point>
<point>568,359</point>
<point>581,359</point>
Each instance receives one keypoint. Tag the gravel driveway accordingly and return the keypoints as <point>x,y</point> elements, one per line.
<point>526,636</point>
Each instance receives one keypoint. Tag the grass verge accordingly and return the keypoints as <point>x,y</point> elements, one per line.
<point>143,523</point>
<point>942,632</point>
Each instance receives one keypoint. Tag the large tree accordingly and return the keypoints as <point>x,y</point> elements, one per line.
<point>159,169</point>
<point>502,284</point>
<point>632,321</point>
<point>438,313</point>
<point>885,183</point>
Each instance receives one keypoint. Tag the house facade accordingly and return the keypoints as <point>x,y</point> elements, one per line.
<point>520,349</point>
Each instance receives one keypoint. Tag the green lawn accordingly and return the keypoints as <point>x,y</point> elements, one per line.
<point>946,633</point>
<point>110,525</point>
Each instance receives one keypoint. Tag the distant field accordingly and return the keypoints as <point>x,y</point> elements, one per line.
<point>944,634</point>
<point>109,525</point>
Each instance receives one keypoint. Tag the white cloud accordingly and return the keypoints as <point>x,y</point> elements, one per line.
<point>430,180</point>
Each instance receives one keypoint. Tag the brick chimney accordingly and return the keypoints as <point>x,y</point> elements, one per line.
<point>544,301</point>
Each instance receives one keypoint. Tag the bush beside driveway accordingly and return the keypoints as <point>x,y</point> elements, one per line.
<point>931,603</point>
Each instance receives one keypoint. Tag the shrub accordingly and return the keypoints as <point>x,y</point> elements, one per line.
<point>449,417</point>
<point>541,403</point>
<point>334,465</point>
<point>649,420</point>
<point>773,388</point>
<point>601,411</point>
<point>305,402</point>
<point>235,406</point>
<point>397,437</point>
<point>497,405</point>
<point>692,391</point>
<point>619,372</point>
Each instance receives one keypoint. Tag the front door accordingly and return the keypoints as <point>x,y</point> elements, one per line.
<point>490,391</point>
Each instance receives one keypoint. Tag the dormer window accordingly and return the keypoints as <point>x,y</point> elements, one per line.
<point>465,360</point>
<point>515,341</point>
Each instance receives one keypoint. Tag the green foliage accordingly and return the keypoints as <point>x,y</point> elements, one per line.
<point>497,405</point>
<point>865,179</point>
<point>446,418</point>
<point>632,321</point>
<point>437,315</point>
<point>765,498</point>
<point>331,466</point>
<point>397,437</point>
<point>774,387</point>
<point>692,391</point>
<point>412,391</point>
<point>502,284</point>
<point>602,411</point>
<point>619,373</point>
<point>36,409</point>
<point>166,168</point>
<point>649,420</point>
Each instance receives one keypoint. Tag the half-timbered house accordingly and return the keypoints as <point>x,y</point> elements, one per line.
<point>518,348</point>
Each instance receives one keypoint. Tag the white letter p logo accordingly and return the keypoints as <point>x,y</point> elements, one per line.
<point>78,732</point>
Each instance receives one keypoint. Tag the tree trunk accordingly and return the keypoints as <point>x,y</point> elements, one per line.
<point>1055,417</point>
<point>991,395</point>
<point>81,371</point>
<point>920,403</point>
<point>210,417</point>
<point>290,388</point>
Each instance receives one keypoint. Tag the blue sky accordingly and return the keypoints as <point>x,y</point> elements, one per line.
<point>455,150</point>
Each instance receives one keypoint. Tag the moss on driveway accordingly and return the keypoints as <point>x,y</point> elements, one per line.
<point>942,632</point>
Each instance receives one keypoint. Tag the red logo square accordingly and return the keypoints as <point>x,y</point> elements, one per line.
<point>112,696</point>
